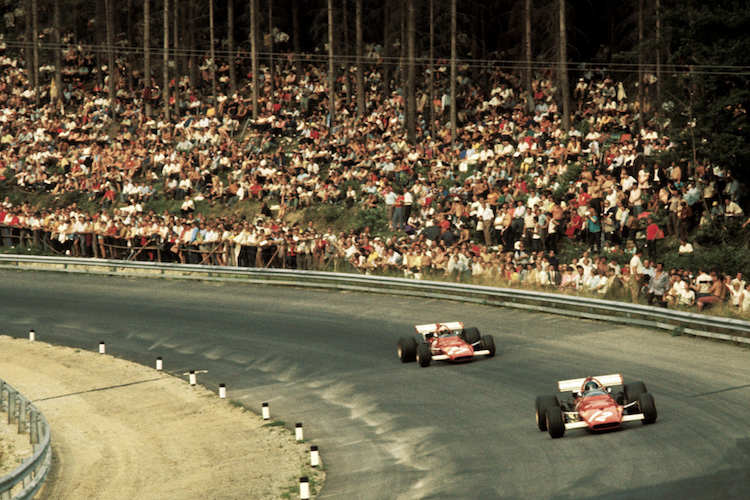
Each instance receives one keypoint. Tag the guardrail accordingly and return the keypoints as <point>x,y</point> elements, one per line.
<point>676,322</point>
<point>27,478</point>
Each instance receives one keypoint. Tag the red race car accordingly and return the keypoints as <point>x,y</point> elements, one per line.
<point>594,405</point>
<point>444,341</point>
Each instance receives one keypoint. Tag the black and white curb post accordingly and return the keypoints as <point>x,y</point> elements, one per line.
<point>314,456</point>
<point>102,349</point>
<point>298,432</point>
<point>192,377</point>
<point>304,488</point>
<point>265,412</point>
<point>159,364</point>
<point>32,336</point>
<point>222,391</point>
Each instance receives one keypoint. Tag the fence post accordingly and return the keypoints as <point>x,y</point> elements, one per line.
<point>34,427</point>
<point>11,406</point>
<point>22,415</point>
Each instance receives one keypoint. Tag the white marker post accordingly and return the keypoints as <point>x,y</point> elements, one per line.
<point>222,391</point>
<point>32,336</point>
<point>192,377</point>
<point>159,365</point>
<point>314,456</point>
<point>298,432</point>
<point>265,412</point>
<point>101,348</point>
<point>304,488</point>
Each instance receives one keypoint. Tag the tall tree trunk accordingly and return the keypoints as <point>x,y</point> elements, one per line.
<point>347,64</point>
<point>387,47</point>
<point>230,47</point>
<point>147,55</point>
<point>254,53</point>
<point>271,71</point>
<point>35,50</point>
<point>100,38</point>
<point>191,42</point>
<point>212,36</point>
<point>564,85</point>
<point>641,84</point>
<point>361,91</point>
<point>60,100</point>
<point>658,60</point>
<point>402,48</point>
<point>454,74</point>
<point>129,63</point>
<point>432,68</point>
<point>176,57</point>
<point>112,59</point>
<point>331,67</point>
<point>527,76</point>
<point>296,40</point>
<point>411,77</point>
<point>165,63</point>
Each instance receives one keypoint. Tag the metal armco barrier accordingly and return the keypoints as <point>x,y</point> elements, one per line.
<point>676,322</point>
<point>26,480</point>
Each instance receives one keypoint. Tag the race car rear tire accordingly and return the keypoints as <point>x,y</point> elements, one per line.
<point>424,355</point>
<point>471,335</point>
<point>407,349</point>
<point>542,403</point>
<point>633,390</point>
<point>489,344</point>
<point>555,422</point>
<point>648,408</point>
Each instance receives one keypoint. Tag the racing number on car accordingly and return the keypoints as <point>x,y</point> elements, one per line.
<point>601,416</point>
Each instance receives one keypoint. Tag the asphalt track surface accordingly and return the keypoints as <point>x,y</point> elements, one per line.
<point>388,430</point>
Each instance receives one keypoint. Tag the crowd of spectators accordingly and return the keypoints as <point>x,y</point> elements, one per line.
<point>491,203</point>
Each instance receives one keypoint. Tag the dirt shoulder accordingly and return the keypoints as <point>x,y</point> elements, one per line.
<point>121,431</point>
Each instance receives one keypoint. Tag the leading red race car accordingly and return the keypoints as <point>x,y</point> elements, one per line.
<point>594,405</point>
<point>445,341</point>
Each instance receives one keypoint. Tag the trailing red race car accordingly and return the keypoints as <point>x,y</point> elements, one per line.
<point>444,341</point>
<point>593,405</point>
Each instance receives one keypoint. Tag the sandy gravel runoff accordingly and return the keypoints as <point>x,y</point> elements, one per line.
<point>122,431</point>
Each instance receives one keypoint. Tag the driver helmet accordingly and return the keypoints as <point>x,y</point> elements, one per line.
<point>591,385</point>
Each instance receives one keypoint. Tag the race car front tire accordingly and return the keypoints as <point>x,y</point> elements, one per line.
<point>542,403</point>
<point>407,349</point>
<point>489,344</point>
<point>555,422</point>
<point>424,355</point>
<point>471,335</point>
<point>648,408</point>
<point>633,390</point>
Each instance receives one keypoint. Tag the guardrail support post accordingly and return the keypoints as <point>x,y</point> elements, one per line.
<point>11,406</point>
<point>34,427</point>
<point>22,415</point>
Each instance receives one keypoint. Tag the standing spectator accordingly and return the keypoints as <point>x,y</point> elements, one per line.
<point>636,274</point>
<point>488,218</point>
<point>390,200</point>
<point>594,229</point>
<point>653,233</point>
<point>658,285</point>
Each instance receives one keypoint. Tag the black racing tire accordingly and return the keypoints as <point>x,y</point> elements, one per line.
<point>489,344</point>
<point>648,407</point>
<point>633,390</point>
<point>424,355</point>
<point>542,403</point>
<point>555,422</point>
<point>471,335</point>
<point>407,349</point>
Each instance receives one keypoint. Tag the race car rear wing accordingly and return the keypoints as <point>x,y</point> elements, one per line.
<point>576,384</point>
<point>431,327</point>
